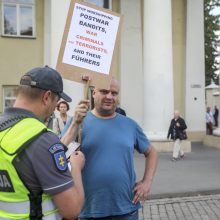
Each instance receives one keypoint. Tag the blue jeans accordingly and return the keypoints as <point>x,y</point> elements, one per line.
<point>130,216</point>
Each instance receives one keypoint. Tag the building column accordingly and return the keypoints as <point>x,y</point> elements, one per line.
<point>195,68</point>
<point>131,61</point>
<point>158,68</point>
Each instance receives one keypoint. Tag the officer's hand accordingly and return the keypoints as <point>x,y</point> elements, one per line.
<point>81,111</point>
<point>77,160</point>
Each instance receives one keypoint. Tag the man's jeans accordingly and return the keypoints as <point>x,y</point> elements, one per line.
<point>131,216</point>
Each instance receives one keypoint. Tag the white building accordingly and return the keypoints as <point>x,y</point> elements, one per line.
<point>160,61</point>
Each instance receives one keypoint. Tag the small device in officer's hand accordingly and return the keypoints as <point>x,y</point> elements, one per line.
<point>73,146</point>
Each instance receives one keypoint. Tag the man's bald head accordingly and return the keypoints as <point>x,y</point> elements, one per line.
<point>106,100</point>
<point>176,114</point>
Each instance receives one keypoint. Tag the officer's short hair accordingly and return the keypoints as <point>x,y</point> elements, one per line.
<point>30,93</point>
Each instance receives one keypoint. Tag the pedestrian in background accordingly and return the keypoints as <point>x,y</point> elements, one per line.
<point>209,121</point>
<point>60,121</point>
<point>215,115</point>
<point>177,133</point>
<point>120,111</point>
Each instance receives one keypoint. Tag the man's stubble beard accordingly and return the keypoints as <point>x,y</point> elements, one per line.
<point>105,113</point>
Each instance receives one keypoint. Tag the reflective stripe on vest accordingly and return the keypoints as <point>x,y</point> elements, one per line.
<point>24,207</point>
<point>53,216</point>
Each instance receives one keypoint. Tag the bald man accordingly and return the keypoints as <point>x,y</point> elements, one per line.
<point>108,143</point>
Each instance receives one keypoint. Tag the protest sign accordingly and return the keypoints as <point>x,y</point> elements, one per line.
<point>88,46</point>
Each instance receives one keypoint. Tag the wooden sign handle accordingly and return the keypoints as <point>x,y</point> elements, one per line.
<point>86,96</point>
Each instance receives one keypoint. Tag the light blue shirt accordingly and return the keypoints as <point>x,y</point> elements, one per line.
<point>108,175</point>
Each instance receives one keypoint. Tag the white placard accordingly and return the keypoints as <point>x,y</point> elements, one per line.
<point>91,39</point>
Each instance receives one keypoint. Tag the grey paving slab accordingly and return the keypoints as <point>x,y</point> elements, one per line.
<point>197,173</point>
<point>182,208</point>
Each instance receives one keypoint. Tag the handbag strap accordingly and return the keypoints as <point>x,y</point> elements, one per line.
<point>58,125</point>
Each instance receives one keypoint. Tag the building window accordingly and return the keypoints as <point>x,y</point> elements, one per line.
<point>18,18</point>
<point>101,3</point>
<point>9,96</point>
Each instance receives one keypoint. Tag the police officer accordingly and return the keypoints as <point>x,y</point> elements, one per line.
<point>35,182</point>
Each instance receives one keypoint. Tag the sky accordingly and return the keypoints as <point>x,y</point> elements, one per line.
<point>216,11</point>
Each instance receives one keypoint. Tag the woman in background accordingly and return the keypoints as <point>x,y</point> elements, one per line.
<point>60,121</point>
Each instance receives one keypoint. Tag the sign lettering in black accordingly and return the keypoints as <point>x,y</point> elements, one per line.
<point>5,182</point>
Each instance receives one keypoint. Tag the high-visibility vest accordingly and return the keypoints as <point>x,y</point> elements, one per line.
<point>14,199</point>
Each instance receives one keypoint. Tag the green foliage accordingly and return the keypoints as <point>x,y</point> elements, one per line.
<point>212,29</point>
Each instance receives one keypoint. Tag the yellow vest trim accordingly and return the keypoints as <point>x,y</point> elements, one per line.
<point>12,141</point>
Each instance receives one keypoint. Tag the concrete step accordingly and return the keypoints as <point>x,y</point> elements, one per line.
<point>167,146</point>
<point>212,141</point>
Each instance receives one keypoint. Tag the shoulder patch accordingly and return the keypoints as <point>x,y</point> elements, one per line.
<point>56,147</point>
<point>60,161</point>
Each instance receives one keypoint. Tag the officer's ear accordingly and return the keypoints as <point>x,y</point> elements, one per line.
<point>47,96</point>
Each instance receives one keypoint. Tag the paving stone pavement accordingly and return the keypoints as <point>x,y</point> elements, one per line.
<point>183,208</point>
<point>196,174</point>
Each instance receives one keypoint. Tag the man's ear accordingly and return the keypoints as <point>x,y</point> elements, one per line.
<point>94,92</point>
<point>46,97</point>
<point>117,101</point>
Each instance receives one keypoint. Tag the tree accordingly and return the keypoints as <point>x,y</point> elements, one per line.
<point>212,29</point>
